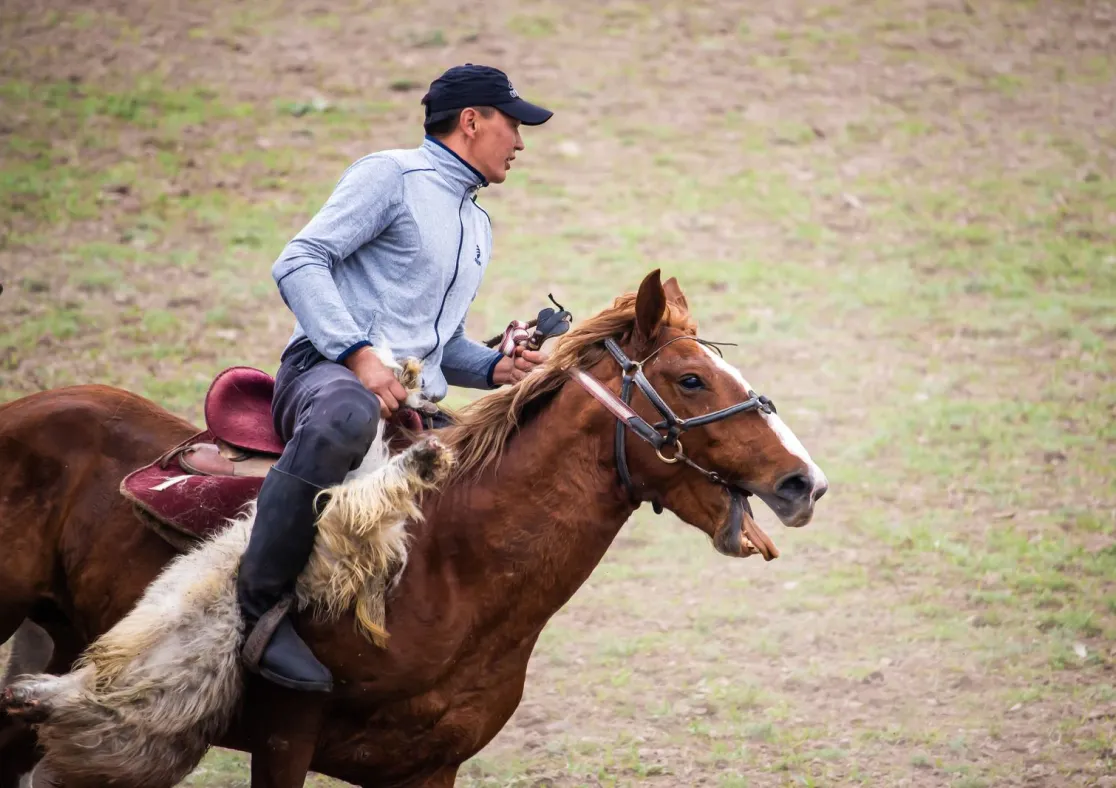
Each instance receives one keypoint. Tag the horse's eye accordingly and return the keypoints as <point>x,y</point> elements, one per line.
<point>691,382</point>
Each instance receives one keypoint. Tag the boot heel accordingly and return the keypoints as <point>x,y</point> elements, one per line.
<point>275,651</point>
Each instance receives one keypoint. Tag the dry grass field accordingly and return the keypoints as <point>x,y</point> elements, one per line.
<point>904,213</point>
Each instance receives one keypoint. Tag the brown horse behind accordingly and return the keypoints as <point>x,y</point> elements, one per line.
<point>533,506</point>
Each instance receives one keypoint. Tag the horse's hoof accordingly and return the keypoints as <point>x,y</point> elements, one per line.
<point>20,703</point>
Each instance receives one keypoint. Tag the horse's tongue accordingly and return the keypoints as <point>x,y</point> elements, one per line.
<point>756,536</point>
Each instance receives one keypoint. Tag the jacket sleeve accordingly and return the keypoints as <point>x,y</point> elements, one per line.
<point>468,363</point>
<point>365,201</point>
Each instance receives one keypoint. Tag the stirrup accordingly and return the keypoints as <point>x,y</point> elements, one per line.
<point>256,642</point>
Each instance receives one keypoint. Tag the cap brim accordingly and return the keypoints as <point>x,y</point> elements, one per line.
<point>525,112</point>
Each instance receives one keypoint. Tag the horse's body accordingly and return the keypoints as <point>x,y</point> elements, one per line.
<point>430,695</point>
<point>496,556</point>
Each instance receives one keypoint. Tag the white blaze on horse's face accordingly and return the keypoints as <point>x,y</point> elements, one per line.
<point>789,440</point>
<point>726,367</point>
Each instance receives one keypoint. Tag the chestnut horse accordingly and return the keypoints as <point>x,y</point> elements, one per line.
<point>535,502</point>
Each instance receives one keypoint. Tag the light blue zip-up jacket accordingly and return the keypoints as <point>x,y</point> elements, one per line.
<point>394,258</point>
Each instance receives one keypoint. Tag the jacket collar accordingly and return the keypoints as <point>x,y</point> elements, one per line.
<point>457,172</point>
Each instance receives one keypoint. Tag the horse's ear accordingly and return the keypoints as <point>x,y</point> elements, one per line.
<point>674,294</point>
<point>650,307</point>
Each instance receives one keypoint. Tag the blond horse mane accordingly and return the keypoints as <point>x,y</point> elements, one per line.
<point>484,427</point>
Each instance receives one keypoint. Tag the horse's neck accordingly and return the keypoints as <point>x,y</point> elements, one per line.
<point>537,525</point>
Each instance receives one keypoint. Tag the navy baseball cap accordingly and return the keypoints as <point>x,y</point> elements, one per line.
<point>478,86</point>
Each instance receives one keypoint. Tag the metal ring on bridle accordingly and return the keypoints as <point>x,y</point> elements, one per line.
<point>627,419</point>
<point>677,453</point>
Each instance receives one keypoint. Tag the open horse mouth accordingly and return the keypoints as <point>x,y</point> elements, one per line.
<point>740,535</point>
<point>754,539</point>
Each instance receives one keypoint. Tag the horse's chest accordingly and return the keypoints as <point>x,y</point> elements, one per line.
<point>445,725</point>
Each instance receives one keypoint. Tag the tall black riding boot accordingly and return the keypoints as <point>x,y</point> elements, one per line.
<point>281,543</point>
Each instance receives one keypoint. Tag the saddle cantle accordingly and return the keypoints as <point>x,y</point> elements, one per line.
<point>238,410</point>
<point>238,414</point>
<point>189,492</point>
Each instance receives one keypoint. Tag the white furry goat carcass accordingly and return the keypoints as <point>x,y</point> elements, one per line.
<point>150,696</point>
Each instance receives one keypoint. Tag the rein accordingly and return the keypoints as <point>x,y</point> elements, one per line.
<point>551,323</point>
<point>628,419</point>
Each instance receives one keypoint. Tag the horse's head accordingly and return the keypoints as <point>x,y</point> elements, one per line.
<point>718,441</point>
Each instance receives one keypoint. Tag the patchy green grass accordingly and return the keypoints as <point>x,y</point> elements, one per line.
<point>532,26</point>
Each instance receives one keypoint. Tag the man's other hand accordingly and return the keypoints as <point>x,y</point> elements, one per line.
<point>377,378</point>
<point>513,369</point>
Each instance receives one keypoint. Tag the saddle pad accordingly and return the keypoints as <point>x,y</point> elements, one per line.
<point>191,505</point>
<point>238,410</point>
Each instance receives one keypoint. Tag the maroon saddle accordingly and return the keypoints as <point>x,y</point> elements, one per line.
<point>190,491</point>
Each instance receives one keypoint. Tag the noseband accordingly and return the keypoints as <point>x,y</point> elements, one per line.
<point>628,419</point>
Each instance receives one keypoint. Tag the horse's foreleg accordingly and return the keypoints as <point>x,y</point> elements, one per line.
<point>282,728</point>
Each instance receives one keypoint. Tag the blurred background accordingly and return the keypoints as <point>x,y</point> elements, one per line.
<point>904,211</point>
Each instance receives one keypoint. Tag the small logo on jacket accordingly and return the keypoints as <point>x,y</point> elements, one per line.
<point>478,256</point>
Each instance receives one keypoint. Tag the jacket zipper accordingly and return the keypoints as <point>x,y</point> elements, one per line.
<point>456,266</point>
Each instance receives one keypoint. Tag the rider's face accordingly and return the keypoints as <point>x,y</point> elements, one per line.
<point>495,142</point>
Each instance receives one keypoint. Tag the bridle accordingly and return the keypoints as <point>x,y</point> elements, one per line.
<point>628,419</point>
<point>728,537</point>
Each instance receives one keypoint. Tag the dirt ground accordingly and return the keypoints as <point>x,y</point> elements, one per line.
<point>904,213</point>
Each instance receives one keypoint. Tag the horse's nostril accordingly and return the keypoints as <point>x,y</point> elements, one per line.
<point>821,490</point>
<point>794,487</point>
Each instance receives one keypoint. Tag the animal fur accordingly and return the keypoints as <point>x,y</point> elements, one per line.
<point>362,537</point>
<point>148,698</point>
<point>409,374</point>
<point>5,658</point>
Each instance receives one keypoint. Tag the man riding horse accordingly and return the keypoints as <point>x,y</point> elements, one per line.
<point>390,263</point>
